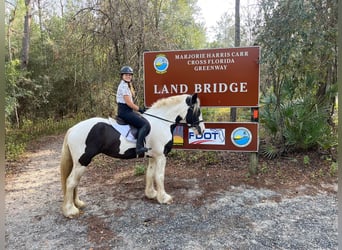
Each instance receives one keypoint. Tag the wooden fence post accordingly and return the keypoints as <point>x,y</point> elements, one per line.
<point>253,163</point>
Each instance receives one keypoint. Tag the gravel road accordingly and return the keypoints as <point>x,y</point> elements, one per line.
<point>242,217</point>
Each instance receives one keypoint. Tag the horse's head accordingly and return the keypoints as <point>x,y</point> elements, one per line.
<point>179,110</point>
<point>194,116</point>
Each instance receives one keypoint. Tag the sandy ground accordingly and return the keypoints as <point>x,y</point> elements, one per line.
<point>118,216</point>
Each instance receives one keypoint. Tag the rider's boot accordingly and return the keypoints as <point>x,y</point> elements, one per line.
<point>140,149</point>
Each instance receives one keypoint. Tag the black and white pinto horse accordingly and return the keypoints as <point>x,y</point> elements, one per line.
<point>90,137</point>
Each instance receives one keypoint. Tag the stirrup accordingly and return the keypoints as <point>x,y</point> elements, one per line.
<point>141,150</point>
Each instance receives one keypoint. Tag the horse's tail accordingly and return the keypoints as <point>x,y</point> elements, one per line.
<point>66,162</point>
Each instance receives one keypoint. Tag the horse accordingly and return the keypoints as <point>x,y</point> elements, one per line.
<point>96,135</point>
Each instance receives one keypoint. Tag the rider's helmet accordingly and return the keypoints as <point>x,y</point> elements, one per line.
<point>126,70</point>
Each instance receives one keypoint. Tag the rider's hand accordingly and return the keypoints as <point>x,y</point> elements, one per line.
<point>142,110</point>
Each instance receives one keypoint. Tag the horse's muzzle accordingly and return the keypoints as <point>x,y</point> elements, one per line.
<point>198,130</point>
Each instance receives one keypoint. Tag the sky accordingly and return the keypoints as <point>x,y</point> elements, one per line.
<point>212,10</point>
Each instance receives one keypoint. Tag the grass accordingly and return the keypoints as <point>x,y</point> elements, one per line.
<point>139,169</point>
<point>17,138</point>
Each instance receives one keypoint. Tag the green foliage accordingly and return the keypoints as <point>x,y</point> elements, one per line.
<point>299,74</point>
<point>180,25</point>
<point>225,31</point>
<point>139,170</point>
<point>14,91</point>
<point>333,169</point>
<point>306,160</point>
<point>300,122</point>
<point>14,148</point>
<point>264,168</point>
<point>215,114</point>
<point>220,114</point>
<point>270,150</point>
<point>24,95</point>
<point>75,55</point>
<point>17,139</point>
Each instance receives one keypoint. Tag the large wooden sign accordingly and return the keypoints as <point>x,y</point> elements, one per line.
<point>221,77</point>
<point>226,77</point>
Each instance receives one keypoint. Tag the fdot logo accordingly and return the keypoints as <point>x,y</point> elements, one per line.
<point>161,64</point>
<point>209,137</point>
<point>241,137</point>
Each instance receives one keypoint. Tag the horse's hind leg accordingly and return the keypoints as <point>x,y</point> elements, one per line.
<point>150,191</point>
<point>71,195</point>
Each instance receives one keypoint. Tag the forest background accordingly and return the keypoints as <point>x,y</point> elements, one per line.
<point>63,59</point>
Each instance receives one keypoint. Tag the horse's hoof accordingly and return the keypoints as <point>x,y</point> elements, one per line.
<point>168,202</point>
<point>151,194</point>
<point>80,204</point>
<point>165,199</point>
<point>71,213</point>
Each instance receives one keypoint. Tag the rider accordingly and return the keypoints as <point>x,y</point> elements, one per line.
<point>128,111</point>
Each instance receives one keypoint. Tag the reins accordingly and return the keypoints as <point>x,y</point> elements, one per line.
<point>160,118</point>
<point>173,122</point>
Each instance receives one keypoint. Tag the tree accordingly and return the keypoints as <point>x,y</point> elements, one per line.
<point>299,69</point>
<point>26,36</point>
<point>71,51</point>
<point>241,21</point>
<point>225,32</point>
<point>236,44</point>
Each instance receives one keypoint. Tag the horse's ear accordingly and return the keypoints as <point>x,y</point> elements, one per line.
<point>191,100</point>
<point>194,98</point>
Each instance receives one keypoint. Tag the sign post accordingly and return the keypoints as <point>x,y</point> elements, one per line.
<point>226,77</point>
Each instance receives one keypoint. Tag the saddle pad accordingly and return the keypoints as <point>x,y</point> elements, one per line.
<point>124,130</point>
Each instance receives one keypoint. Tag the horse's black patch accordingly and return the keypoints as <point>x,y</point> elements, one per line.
<point>168,147</point>
<point>103,138</point>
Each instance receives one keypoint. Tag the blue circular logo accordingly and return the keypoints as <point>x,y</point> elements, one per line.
<point>161,64</point>
<point>241,137</point>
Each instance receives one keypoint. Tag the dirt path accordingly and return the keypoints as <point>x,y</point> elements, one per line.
<point>119,217</point>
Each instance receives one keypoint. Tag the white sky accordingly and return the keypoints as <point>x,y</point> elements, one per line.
<point>212,10</point>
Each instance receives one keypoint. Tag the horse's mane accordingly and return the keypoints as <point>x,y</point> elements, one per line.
<point>167,101</point>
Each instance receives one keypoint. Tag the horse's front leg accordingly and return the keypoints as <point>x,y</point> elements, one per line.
<point>71,195</point>
<point>150,191</point>
<point>162,196</point>
<point>78,202</point>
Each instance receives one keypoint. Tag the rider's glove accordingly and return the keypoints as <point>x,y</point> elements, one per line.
<point>142,110</point>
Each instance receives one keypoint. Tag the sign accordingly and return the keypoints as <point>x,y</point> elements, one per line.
<point>232,136</point>
<point>226,77</point>
<point>214,136</point>
<point>221,77</point>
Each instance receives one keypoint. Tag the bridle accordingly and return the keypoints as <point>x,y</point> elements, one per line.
<point>191,115</point>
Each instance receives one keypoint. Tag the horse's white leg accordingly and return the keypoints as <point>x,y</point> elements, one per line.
<point>150,191</point>
<point>69,208</point>
<point>78,202</point>
<point>162,196</point>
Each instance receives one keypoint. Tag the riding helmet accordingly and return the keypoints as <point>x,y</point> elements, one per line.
<point>126,70</point>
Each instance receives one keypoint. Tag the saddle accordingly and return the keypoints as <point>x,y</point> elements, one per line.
<point>126,130</point>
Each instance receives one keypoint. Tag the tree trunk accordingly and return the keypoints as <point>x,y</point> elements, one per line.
<point>9,31</point>
<point>26,37</point>
<point>236,44</point>
<point>42,45</point>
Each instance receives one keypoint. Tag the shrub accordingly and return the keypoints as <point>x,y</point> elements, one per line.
<point>299,122</point>
<point>17,138</point>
